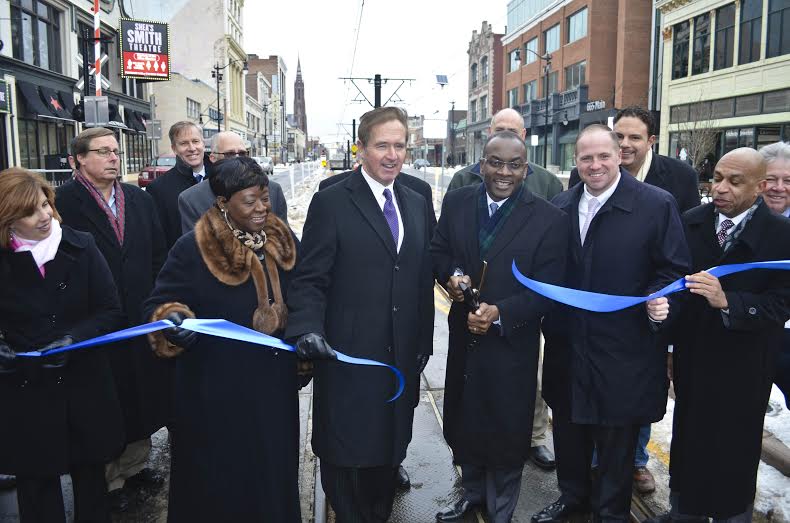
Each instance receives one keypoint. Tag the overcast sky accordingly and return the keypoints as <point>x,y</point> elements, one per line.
<point>398,39</point>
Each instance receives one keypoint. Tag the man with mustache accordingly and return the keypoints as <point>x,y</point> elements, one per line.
<point>125,225</point>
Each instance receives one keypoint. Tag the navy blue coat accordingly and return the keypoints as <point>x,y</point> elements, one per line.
<point>610,368</point>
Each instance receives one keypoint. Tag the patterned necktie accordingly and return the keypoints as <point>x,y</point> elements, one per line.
<point>592,207</point>
<point>391,215</point>
<point>492,208</point>
<point>198,178</point>
<point>725,226</point>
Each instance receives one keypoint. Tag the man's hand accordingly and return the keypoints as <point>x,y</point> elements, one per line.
<point>658,309</point>
<point>480,321</point>
<point>59,359</point>
<point>176,335</point>
<point>313,346</point>
<point>454,290</point>
<point>708,286</point>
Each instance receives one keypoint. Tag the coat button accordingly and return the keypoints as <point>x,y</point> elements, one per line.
<point>389,349</point>
<point>397,268</point>
<point>395,309</point>
<point>62,285</point>
<point>752,311</point>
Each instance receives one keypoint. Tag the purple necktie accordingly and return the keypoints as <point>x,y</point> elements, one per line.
<point>391,215</point>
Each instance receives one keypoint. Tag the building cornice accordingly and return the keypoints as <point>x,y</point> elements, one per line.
<point>666,6</point>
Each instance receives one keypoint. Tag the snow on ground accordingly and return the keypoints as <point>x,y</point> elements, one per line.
<point>303,191</point>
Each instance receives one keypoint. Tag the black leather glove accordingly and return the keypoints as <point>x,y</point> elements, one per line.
<point>313,346</point>
<point>422,362</point>
<point>7,358</point>
<point>176,335</point>
<point>59,360</point>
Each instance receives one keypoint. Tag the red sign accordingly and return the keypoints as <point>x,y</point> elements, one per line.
<point>145,49</point>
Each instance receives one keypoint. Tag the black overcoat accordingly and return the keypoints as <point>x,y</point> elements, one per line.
<point>677,178</point>
<point>370,301</point>
<point>141,378</point>
<point>165,190</point>
<point>55,418</point>
<point>491,380</point>
<point>723,375</point>
<point>235,451</point>
<point>610,368</point>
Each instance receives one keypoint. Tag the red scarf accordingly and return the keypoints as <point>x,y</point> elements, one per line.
<point>116,222</point>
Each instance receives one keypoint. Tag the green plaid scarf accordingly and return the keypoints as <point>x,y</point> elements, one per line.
<point>490,226</point>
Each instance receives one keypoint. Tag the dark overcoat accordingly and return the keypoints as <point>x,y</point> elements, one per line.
<point>369,301</point>
<point>723,375</point>
<point>141,378</point>
<point>165,190</point>
<point>610,368</point>
<point>235,451</point>
<point>491,380</point>
<point>55,418</point>
<point>677,178</point>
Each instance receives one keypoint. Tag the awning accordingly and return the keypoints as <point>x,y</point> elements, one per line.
<point>54,103</point>
<point>131,120</point>
<point>29,93</point>
<point>67,97</point>
<point>139,117</point>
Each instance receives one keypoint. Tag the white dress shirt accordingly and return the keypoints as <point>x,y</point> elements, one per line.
<point>378,193</point>
<point>602,199</point>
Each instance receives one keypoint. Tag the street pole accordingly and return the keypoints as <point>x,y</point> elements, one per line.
<point>377,91</point>
<point>219,111</point>
<point>546,114</point>
<point>452,134</point>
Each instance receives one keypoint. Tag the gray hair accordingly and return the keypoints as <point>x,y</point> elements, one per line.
<point>776,151</point>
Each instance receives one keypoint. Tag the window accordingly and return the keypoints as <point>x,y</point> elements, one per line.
<point>193,109</point>
<point>577,25</point>
<point>530,91</point>
<point>512,61</point>
<point>680,50</point>
<point>512,97</point>
<point>551,39</point>
<point>531,51</point>
<point>700,62</point>
<point>778,28</point>
<point>725,37</point>
<point>484,69</point>
<point>553,82</point>
<point>105,49</point>
<point>574,75</point>
<point>473,75</point>
<point>751,23</point>
<point>35,34</point>
<point>473,111</point>
<point>483,107</point>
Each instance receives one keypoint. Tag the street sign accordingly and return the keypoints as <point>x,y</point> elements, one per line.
<point>354,150</point>
<point>97,111</point>
<point>145,49</point>
<point>105,83</point>
<point>153,129</point>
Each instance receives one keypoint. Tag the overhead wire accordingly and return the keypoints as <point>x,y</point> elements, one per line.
<point>351,65</point>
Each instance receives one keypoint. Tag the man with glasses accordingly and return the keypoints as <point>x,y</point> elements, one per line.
<point>494,345</point>
<point>123,221</point>
<point>186,141</point>
<point>195,201</point>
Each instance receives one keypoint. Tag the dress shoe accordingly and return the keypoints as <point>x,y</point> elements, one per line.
<point>667,518</point>
<point>118,500</point>
<point>644,483</point>
<point>456,512</point>
<point>7,482</point>
<point>402,481</point>
<point>557,512</point>
<point>543,457</point>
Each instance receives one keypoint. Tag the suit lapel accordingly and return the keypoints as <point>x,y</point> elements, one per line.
<point>362,197</point>
<point>129,207</point>
<point>513,225</point>
<point>94,214</point>
<point>408,216</point>
<point>572,209</point>
<point>472,225</point>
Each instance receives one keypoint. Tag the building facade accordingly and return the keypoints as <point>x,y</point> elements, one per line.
<point>726,76</point>
<point>274,70</point>
<point>39,67</point>
<point>562,75</point>
<point>183,98</point>
<point>260,90</point>
<point>485,90</point>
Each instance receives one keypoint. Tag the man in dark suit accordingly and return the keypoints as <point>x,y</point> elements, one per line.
<point>604,375</point>
<point>196,200</point>
<point>493,350</point>
<point>726,342</point>
<point>364,285</point>
<point>186,140</point>
<point>635,129</point>
<point>124,223</point>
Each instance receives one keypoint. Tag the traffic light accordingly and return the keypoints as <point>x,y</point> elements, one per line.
<point>78,112</point>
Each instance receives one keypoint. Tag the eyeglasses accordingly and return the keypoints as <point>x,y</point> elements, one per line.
<point>233,154</point>
<point>498,164</point>
<point>104,152</point>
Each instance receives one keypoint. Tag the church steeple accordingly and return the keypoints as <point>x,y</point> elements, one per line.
<point>300,116</point>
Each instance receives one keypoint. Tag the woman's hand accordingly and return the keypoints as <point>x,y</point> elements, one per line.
<point>176,335</point>
<point>313,346</point>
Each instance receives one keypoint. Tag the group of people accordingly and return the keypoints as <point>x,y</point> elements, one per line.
<point>210,239</point>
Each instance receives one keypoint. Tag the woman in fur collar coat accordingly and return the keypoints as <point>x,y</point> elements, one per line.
<point>235,431</point>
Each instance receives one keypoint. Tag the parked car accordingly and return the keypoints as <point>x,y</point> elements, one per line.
<point>266,164</point>
<point>158,167</point>
<point>421,163</point>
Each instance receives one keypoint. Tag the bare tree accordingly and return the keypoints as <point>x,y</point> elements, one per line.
<point>698,132</point>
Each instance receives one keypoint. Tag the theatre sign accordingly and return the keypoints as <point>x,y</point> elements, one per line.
<point>145,49</point>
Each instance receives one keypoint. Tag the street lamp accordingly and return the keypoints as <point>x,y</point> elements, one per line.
<point>546,70</point>
<point>216,73</point>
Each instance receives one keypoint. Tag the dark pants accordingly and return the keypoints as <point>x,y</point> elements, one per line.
<point>359,495</point>
<point>610,495</point>
<point>495,488</point>
<point>41,499</point>
<point>782,378</point>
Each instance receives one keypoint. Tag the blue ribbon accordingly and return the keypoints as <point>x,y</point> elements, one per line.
<point>596,302</point>
<point>221,329</point>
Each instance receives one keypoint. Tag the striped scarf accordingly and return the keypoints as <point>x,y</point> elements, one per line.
<point>116,222</point>
<point>490,226</point>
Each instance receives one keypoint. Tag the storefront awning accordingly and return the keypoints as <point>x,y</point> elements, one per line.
<point>132,120</point>
<point>29,93</point>
<point>54,103</point>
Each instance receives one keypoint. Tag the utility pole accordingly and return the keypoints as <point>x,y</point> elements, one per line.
<point>377,91</point>
<point>452,133</point>
<point>377,82</point>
